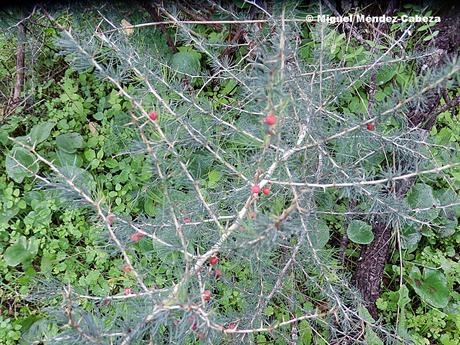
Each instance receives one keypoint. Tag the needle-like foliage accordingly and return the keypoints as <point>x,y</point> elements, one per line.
<point>206,155</point>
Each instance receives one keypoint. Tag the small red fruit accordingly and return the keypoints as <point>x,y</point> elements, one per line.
<point>136,237</point>
<point>231,325</point>
<point>207,295</point>
<point>105,302</point>
<point>270,120</point>
<point>266,190</point>
<point>187,220</point>
<point>252,215</point>
<point>194,326</point>
<point>153,115</point>
<point>217,273</point>
<point>213,260</point>
<point>128,291</point>
<point>371,126</point>
<point>255,189</point>
<point>110,219</point>
<point>126,268</point>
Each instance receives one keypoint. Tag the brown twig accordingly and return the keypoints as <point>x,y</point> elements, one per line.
<point>452,103</point>
<point>195,15</point>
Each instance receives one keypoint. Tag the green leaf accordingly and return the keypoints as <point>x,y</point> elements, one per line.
<point>448,197</point>
<point>69,142</point>
<point>320,234</point>
<point>410,237</point>
<point>20,163</point>
<point>186,62</point>
<point>360,232</point>
<point>403,300</point>
<point>421,196</point>
<point>149,205</point>
<point>305,332</point>
<point>21,251</point>
<point>431,287</point>
<point>386,73</point>
<point>371,337</point>
<point>41,132</point>
<point>213,178</point>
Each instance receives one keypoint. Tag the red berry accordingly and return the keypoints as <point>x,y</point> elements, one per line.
<point>187,220</point>
<point>105,302</point>
<point>270,120</point>
<point>266,190</point>
<point>153,115</point>
<point>231,325</point>
<point>136,237</point>
<point>255,189</point>
<point>217,273</point>
<point>110,219</point>
<point>370,126</point>
<point>128,291</point>
<point>252,215</point>
<point>194,326</point>
<point>207,295</point>
<point>126,268</point>
<point>213,260</point>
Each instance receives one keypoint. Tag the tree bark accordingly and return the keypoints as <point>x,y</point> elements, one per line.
<point>370,268</point>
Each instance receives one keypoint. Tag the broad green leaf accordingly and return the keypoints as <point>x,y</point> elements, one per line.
<point>187,62</point>
<point>371,337</point>
<point>230,87</point>
<point>386,73</point>
<point>3,136</point>
<point>69,142</point>
<point>319,235</point>
<point>431,287</point>
<point>305,332</point>
<point>421,196</point>
<point>80,177</point>
<point>149,205</point>
<point>364,314</point>
<point>213,178</point>
<point>41,132</point>
<point>21,251</point>
<point>20,163</point>
<point>410,237</point>
<point>403,300</point>
<point>447,226</point>
<point>360,232</point>
<point>448,197</point>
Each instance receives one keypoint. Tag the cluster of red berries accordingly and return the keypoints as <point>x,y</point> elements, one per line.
<point>213,260</point>
<point>370,126</point>
<point>256,190</point>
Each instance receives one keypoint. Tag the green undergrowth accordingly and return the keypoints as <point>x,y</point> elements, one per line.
<point>81,120</point>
